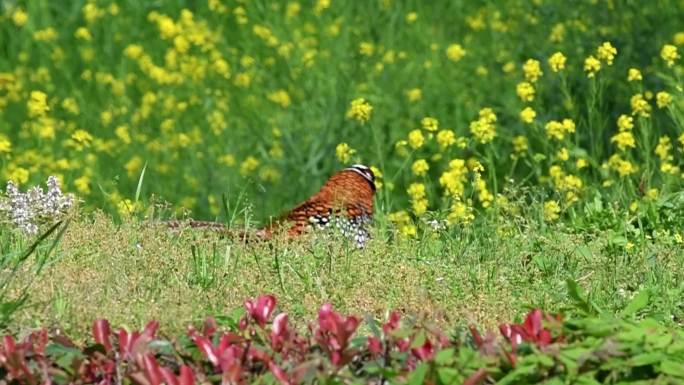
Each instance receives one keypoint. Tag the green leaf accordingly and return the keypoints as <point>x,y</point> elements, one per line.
<point>419,340</point>
<point>517,375</point>
<point>449,376</point>
<point>672,368</point>
<point>445,356</point>
<point>584,304</point>
<point>646,359</point>
<point>637,303</point>
<point>138,189</point>
<point>583,252</point>
<point>417,377</point>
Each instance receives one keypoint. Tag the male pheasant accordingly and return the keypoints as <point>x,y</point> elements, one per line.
<point>345,201</point>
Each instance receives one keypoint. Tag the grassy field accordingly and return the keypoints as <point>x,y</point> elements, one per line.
<point>134,272</point>
<point>545,138</point>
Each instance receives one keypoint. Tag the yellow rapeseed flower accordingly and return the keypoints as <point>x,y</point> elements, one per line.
<point>414,94</point>
<point>293,9</point>
<point>429,124</point>
<point>321,5</point>
<point>134,166</point>
<point>551,211</point>
<point>16,174</point>
<point>83,33</point>
<point>453,180</point>
<point>532,70</point>
<point>248,165</point>
<point>269,174</point>
<point>446,138</point>
<point>411,17</point>
<point>5,144</point>
<point>227,159</point>
<point>625,122</point>
<point>558,130</point>
<point>91,12</point>
<point>664,148</point>
<point>591,66</point>
<point>455,52</point>
<point>623,166</point>
<point>416,139</point>
<point>525,91</point>
<point>366,48</point>
<point>623,140</point>
<point>484,129</point>
<point>242,80</point>
<point>48,34</point>
<point>460,213</point>
<point>520,144</point>
<point>133,51</point>
<point>37,104</point>
<point>19,17</point>
<point>416,190</point>
<point>420,167</point>
<point>508,67</point>
<point>344,153</point>
<point>669,54</point>
<point>280,97</point>
<point>606,52</point>
<point>634,75</point>
<point>82,184</point>
<point>483,195</point>
<point>359,110</point>
<point>557,62</point>
<point>663,99</point>
<point>527,115</point>
<point>419,201</point>
<point>70,105</point>
<point>640,106</point>
<point>122,133</point>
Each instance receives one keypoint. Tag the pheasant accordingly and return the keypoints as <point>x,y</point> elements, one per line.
<point>345,202</point>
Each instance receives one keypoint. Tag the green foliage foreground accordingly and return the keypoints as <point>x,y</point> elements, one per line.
<point>544,349</point>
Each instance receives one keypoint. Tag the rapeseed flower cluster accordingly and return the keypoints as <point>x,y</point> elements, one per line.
<point>234,93</point>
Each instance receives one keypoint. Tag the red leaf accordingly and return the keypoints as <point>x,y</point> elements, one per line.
<point>424,352</point>
<point>152,370</point>
<point>8,344</point>
<point>261,309</point>
<point>124,342</point>
<point>477,337</point>
<point>151,329</point>
<point>102,333</point>
<point>374,345</point>
<point>206,348</point>
<point>187,376</point>
<point>533,322</point>
<point>210,327</point>
<point>279,373</point>
<point>169,377</point>
<point>392,323</point>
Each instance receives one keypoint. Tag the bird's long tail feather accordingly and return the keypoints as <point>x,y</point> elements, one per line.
<point>243,235</point>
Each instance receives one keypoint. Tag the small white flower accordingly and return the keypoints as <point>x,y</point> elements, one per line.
<point>26,211</point>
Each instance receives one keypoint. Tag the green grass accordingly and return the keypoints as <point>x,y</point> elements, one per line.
<point>134,272</point>
<point>131,103</point>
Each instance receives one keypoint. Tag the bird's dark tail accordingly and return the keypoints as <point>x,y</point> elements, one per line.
<point>243,235</point>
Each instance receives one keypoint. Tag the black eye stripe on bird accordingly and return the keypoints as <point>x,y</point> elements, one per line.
<point>365,172</point>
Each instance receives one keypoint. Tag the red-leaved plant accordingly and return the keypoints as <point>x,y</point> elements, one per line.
<point>263,344</point>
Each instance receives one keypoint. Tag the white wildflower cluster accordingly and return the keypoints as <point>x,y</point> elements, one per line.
<point>27,211</point>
